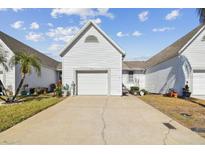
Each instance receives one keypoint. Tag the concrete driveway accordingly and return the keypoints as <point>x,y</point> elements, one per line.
<point>99,120</point>
<point>199,96</point>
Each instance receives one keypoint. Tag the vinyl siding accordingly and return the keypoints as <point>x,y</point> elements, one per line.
<point>94,56</point>
<point>47,77</point>
<point>195,52</point>
<point>170,74</point>
<point>9,77</point>
<point>139,79</point>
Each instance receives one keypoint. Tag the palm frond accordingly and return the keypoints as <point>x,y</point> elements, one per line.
<point>201,14</point>
<point>27,62</point>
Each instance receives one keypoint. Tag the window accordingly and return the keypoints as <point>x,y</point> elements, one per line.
<point>130,76</point>
<point>91,39</point>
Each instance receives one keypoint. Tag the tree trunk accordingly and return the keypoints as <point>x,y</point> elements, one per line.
<point>4,89</point>
<point>19,87</point>
<point>3,99</point>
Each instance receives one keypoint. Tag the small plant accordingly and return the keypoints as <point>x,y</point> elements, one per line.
<point>143,92</point>
<point>66,91</point>
<point>58,90</point>
<point>186,92</point>
<point>172,93</point>
<point>52,87</point>
<point>134,90</point>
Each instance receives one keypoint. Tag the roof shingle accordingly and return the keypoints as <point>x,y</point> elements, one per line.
<point>133,65</point>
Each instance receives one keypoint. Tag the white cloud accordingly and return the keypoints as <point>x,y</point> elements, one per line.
<point>105,12</point>
<point>82,12</point>
<point>121,34</point>
<point>97,21</point>
<point>34,25</point>
<point>172,15</point>
<point>17,24</point>
<point>62,34</point>
<point>163,29</point>
<point>35,37</point>
<point>136,33</point>
<point>17,9</point>
<point>143,16</point>
<point>50,24</point>
<point>55,47</point>
<point>3,9</point>
<point>14,9</point>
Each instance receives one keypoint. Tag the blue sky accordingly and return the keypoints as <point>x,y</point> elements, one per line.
<point>141,33</point>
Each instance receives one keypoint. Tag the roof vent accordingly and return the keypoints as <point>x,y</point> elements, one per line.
<point>91,39</point>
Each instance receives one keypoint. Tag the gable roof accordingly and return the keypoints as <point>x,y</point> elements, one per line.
<point>17,46</point>
<point>175,48</point>
<point>133,65</point>
<point>80,34</point>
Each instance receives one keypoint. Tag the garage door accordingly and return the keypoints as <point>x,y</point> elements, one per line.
<point>92,83</point>
<point>199,82</point>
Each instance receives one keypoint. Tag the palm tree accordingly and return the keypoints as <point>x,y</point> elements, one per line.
<point>27,62</point>
<point>201,14</point>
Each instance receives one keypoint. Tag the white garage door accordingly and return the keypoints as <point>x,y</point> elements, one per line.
<point>199,82</point>
<point>92,83</point>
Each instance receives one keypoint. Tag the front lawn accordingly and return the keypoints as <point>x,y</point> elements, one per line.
<point>14,113</point>
<point>173,107</point>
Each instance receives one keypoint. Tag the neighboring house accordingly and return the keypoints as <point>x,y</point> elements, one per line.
<point>11,79</point>
<point>182,61</point>
<point>92,64</point>
<point>133,73</point>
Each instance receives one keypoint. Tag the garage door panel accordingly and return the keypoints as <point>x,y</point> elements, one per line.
<point>92,83</point>
<point>199,83</point>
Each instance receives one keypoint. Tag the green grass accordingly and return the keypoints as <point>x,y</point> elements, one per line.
<point>14,113</point>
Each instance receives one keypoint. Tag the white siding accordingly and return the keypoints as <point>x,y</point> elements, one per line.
<point>195,52</point>
<point>170,74</point>
<point>139,79</point>
<point>47,77</point>
<point>94,56</point>
<point>8,77</point>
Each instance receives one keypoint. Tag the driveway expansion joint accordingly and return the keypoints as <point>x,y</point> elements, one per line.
<point>167,134</point>
<point>103,121</point>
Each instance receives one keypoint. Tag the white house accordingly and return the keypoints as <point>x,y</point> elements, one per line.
<point>93,65</point>
<point>11,79</point>
<point>182,61</point>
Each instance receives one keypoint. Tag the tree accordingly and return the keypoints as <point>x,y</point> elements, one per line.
<point>27,63</point>
<point>201,14</point>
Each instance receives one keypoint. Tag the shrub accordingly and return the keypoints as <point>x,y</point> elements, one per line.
<point>58,89</point>
<point>32,91</point>
<point>145,91</point>
<point>134,90</point>
<point>52,87</point>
